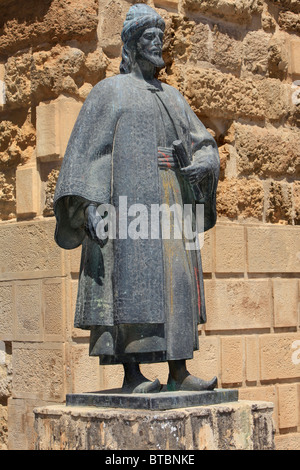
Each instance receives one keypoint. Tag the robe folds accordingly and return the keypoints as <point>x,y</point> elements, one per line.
<point>141,298</point>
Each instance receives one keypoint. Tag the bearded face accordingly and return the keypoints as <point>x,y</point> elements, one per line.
<point>149,47</point>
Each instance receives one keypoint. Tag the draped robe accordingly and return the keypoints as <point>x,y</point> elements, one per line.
<point>141,298</point>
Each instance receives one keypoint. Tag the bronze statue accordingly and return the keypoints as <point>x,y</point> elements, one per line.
<point>137,143</point>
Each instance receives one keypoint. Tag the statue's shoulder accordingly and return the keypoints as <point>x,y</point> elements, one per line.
<point>110,84</point>
<point>172,91</point>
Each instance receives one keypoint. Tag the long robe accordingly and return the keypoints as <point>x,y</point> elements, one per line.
<point>141,298</point>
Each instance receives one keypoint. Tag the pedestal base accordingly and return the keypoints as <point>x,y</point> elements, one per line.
<point>151,401</point>
<point>240,425</point>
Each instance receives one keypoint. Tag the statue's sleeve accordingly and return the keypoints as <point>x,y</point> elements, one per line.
<point>85,174</point>
<point>204,151</point>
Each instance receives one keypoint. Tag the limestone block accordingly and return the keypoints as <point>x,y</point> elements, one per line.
<point>237,304</point>
<point>17,141</point>
<point>232,360</point>
<point>230,248</point>
<point>288,399</point>
<point>200,44</point>
<point>21,435</point>
<point>26,26</point>
<point>38,371</point>
<point>27,191</point>
<point>53,308</point>
<point>289,21</point>
<point>28,318</point>
<point>85,370</point>
<point>7,310</point>
<point>112,16</point>
<point>65,69</point>
<point>239,425</point>
<point>255,52</point>
<point>278,154</point>
<point>295,56</point>
<point>290,441</point>
<point>278,50</point>
<point>231,10</point>
<point>273,249</point>
<point>286,302</point>
<point>279,202</point>
<point>221,95</point>
<point>277,356</point>
<point>263,393</point>
<point>17,80</point>
<point>240,198</point>
<point>55,121</point>
<point>30,250</point>
<point>226,48</point>
<point>252,358</point>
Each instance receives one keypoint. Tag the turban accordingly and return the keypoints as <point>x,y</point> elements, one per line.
<point>139,17</point>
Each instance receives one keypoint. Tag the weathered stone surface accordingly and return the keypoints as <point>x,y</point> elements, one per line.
<point>292,5</point>
<point>17,145</point>
<point>289,441</point>
<point>54,124</point>
<point>286,301</point>
<point>38,371</point>
<point>278,56</point>
<point>7,310</point>
<point>17,140</point>
<point>26,25</point>
<point>7,194</point>
<point>27,190</point>
<point>279,203</point>
<point>50,189</point>
<point>267,152</point>
<point>222,95</point>
<point>240,425</point>
<point>288,399</point>
<point>276,352</point>
<point>273,249</point>
<point>289,21</point>
<point>226,49</point>
<point>255,49</point>
<point>238,304</point>
<point>29,250</point>
<point>41,75</point>
<point>240,198</point>
<point>230,10</point>
<point>3,427</point>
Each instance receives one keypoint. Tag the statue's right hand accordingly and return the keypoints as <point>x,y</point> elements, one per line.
<point>92,219</point>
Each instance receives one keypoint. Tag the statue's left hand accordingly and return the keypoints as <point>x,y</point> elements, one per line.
<point>92,219</point>
<point>196,172</point>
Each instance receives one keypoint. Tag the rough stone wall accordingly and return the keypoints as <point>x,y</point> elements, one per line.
<point>238,64</point>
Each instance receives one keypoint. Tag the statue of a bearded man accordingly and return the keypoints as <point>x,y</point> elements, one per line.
<point>141,297</point>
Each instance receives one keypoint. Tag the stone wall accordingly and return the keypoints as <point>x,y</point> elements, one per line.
<point>238,64</point>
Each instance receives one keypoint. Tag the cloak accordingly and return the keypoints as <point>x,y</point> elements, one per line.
<point>112,152</point>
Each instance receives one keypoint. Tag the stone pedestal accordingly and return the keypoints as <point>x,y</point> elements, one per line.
<point>236,425</point>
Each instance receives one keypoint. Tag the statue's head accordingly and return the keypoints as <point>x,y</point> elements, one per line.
<point>142,36</point>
